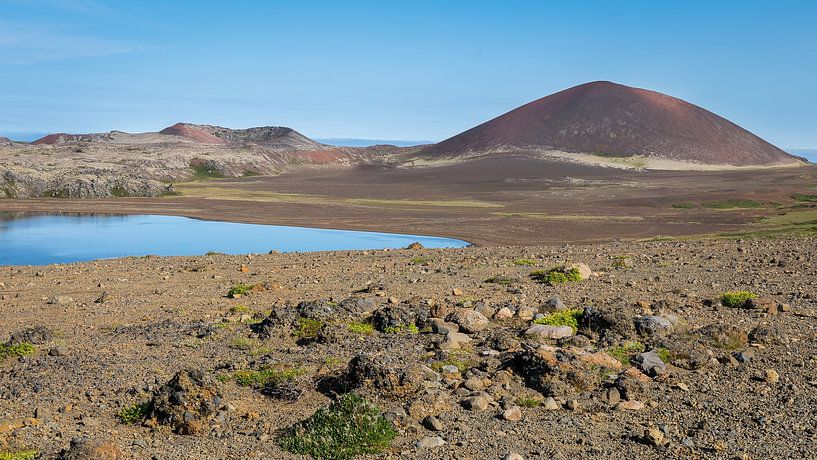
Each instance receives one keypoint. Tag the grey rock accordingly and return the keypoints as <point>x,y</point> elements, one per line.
<point>652,325</point>
<point>650,363</point>
<point>430,442</point>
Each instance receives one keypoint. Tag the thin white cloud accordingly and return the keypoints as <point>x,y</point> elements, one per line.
<point>29,44</point>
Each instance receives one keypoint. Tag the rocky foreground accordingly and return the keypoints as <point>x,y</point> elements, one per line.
<point>700,349</point>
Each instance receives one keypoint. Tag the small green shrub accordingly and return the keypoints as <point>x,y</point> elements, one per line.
<point>240,309</point>
<point>556,275</point>
<point>134,413</point>
<point>242,343</point>
<point>501,280</point>
<point>735,203</point>
<point>308,328</point>
<point>683,205</point>
<point>350,426</point>
<point>528,402</point>
<point>620,261</point>
<point>736,299</point>
<point>16,350</point>
<point>624,353</point>
<point>239,290</point>
<point>419,261</point>
<point>402,329</point>
<point>562,318</point>
<point>664,354</point>
<point>20,455</point>
<point>524,262</point>
<point>461,359</point>
<point>804,198</point>
<point>361,328</point>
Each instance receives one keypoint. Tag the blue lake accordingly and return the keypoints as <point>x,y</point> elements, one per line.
<point>61,238</point>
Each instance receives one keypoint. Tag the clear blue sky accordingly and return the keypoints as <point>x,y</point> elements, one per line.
<point>394,70</point>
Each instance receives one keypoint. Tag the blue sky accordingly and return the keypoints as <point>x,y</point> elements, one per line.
<point>394,70</point>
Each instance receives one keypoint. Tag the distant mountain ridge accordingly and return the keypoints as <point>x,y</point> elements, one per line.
<point>609,119</point>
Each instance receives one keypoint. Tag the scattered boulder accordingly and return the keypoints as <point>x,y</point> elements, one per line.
<point>415,245</point>
<point>470,321</point>
<point>430,442</point>
<point>651,364</point>
<point>652,325</point>
<point>387,375</point>
<point>36,335</point>
<point>555,373</point>
<point>188,402</point>
<point>613,322</point>
<point>512,414</point>
<point>92,449</point>
<point>401,315</point>
<point>61,300</point>
<point>584,270</point>
<point>768,334</point>
<point>547,332</point>
<point>554,304</point>
<point>279,323</point>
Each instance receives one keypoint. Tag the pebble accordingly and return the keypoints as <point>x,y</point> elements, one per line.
<point>512,414</point>
<point>433,423</point>
<point>513,456</point>
<point>551,404</point>
<point>476,403</point>
<point>654,436</point>
<point>630,405</point>
<point>503,313</point>
<point>771,376</point>
<point>430,441</point>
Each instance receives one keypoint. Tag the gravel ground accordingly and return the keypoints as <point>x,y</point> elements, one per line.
<point>735,382</point>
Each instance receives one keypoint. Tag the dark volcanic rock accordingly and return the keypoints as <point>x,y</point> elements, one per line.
<point>389,377</point>
<point>187,402</point>
<point>36,335</point>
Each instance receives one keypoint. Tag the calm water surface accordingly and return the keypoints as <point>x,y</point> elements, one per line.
<point>61,238</point>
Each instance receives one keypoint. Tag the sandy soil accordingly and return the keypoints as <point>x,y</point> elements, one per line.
<point>157,316</point>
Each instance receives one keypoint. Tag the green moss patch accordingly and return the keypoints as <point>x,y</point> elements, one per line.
<point>734,203</point>
<point>361,328</point>
<point>349,427</point>
<point>133,414</point>
<point>20,455</point>
<point>562,318</point>
<point>556,275</point>
<point>16,350</point>
<point>623,353</point>
<point>736,299</point>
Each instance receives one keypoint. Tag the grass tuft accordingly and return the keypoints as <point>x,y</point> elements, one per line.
<point>239,290</point>
<point>736,299</point>
<point>623,353</point>
<point>524,262</point>
<point>16,350</point>
<point>402,329</point>
<point>361,328</point>
<point>349,427</point>
<point>308,328</point>
<point>562,318</point>
<point>30,454</point>
<point>133,414</point>
<point>556,275</point>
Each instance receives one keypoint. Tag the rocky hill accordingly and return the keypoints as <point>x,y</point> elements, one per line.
<point>146,164</point>
<point>276,137</point>
<point>609,119</point>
